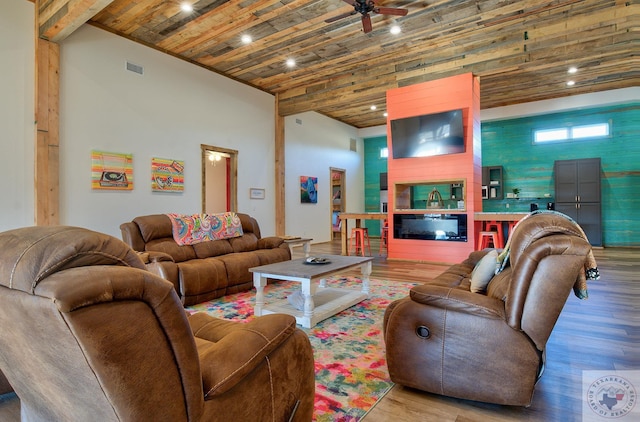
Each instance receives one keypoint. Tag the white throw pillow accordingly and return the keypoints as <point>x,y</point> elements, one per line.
<point>483,272</point>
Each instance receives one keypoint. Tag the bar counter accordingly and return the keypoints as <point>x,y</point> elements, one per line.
<point>358,216</point>
<point>499,216</point>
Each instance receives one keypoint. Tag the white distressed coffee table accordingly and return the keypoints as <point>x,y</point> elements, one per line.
<point>320,301</point>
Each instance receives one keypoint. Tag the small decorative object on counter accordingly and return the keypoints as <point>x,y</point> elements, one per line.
<point>434,200</point>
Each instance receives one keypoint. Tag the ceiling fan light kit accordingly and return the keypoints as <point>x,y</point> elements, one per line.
<point>364,7</point>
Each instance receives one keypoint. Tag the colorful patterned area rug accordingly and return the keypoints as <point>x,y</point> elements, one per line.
<point>349,352</point>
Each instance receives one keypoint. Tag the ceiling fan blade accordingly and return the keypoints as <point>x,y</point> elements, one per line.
<point>391,11</point>
<point>366,23</point>
<point>344,15</point>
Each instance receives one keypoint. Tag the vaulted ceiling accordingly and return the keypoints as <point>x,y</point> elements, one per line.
<point>521,50</point>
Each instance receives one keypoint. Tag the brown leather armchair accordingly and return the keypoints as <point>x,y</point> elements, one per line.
<point>89,334</point>
<point>488,347</point>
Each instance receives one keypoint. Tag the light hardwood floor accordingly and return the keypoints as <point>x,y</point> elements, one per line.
<point>601,333</point>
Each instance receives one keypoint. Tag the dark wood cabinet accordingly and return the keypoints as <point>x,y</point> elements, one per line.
<point>577,191</point>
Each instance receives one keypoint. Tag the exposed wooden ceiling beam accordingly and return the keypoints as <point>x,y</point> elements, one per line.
<point>57,19</point>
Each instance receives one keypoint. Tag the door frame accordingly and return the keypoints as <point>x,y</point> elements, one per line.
<point>232,190</point>
<point>343,194</point>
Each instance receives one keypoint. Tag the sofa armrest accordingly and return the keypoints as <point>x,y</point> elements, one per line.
<point>131,236</point>
<point>270,242</point>
<point>162,265</point>
<point>230,350</point>
<point>458,300</point>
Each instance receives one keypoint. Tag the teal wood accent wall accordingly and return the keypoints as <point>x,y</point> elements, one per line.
<point>374,165</point>
<point>528,167</point>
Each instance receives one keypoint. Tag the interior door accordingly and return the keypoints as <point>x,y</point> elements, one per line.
<point>338,198</point>
<point>219,179</point>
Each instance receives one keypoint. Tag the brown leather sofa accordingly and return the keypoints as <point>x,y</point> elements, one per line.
<point>89,335</point>
<point>487,346</point>
<point>206,270</point>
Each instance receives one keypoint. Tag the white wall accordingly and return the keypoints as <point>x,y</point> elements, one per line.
<point>314,144</point>
<point>17,129</point>
<point>167,112</point>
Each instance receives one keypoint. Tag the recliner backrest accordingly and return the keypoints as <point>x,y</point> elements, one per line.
<point>547,254</point>
<point>31,254</point>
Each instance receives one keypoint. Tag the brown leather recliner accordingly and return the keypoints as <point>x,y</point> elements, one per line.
<point>490,347</point>
<point>88,334</point>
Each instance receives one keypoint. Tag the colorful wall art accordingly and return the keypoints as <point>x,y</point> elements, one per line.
<point>167,175</point>
<point>308,190</point>
<point>111,170</point>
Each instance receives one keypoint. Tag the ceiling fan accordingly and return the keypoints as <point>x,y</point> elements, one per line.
<point>364,7</point>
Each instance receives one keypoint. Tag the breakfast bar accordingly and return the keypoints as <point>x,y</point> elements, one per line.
<point>499,216</point>
<point>358,216</point>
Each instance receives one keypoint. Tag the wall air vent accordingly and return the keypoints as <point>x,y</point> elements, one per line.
<point>353,145</point>
<point>136,68</point>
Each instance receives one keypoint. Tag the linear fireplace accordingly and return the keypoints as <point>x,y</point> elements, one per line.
<point>449,227</point>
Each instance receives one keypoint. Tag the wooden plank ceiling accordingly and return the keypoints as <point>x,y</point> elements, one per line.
<point>520,49</point>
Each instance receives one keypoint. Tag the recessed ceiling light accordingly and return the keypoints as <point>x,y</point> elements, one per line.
<point>395,29</point>
<point>571,83</point>
<point>186,7</point>
<point>385,114</point>
<point>246,39</point>
<point>291,62</point>
<point>572,70</point>
<point>373,107</point>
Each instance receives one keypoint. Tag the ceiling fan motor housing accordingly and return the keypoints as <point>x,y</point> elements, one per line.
<point>364,6</point>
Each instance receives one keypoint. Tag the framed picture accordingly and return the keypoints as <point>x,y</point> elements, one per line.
<point>111,170</point>
<point>167,175</point>
<point>308,190</point>
<point>256,193</point>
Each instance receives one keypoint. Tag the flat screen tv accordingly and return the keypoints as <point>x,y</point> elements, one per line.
<point>428,135</point>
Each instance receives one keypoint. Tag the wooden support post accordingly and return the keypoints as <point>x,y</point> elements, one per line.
<point>280,171</point>
<point>47,165</point>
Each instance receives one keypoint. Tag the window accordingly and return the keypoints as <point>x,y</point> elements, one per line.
<point>548,135</point>
<point>590,131</point>
<point>384,152</point>
<point>598,130</point>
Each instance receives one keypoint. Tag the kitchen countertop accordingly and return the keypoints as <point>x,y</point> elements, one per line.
<point>499,216</point>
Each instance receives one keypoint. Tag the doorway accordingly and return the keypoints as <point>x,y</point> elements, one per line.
<point>338,179</point>
<point>219,179</point>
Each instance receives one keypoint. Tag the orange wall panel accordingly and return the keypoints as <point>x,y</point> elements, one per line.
<point>453,93</point>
